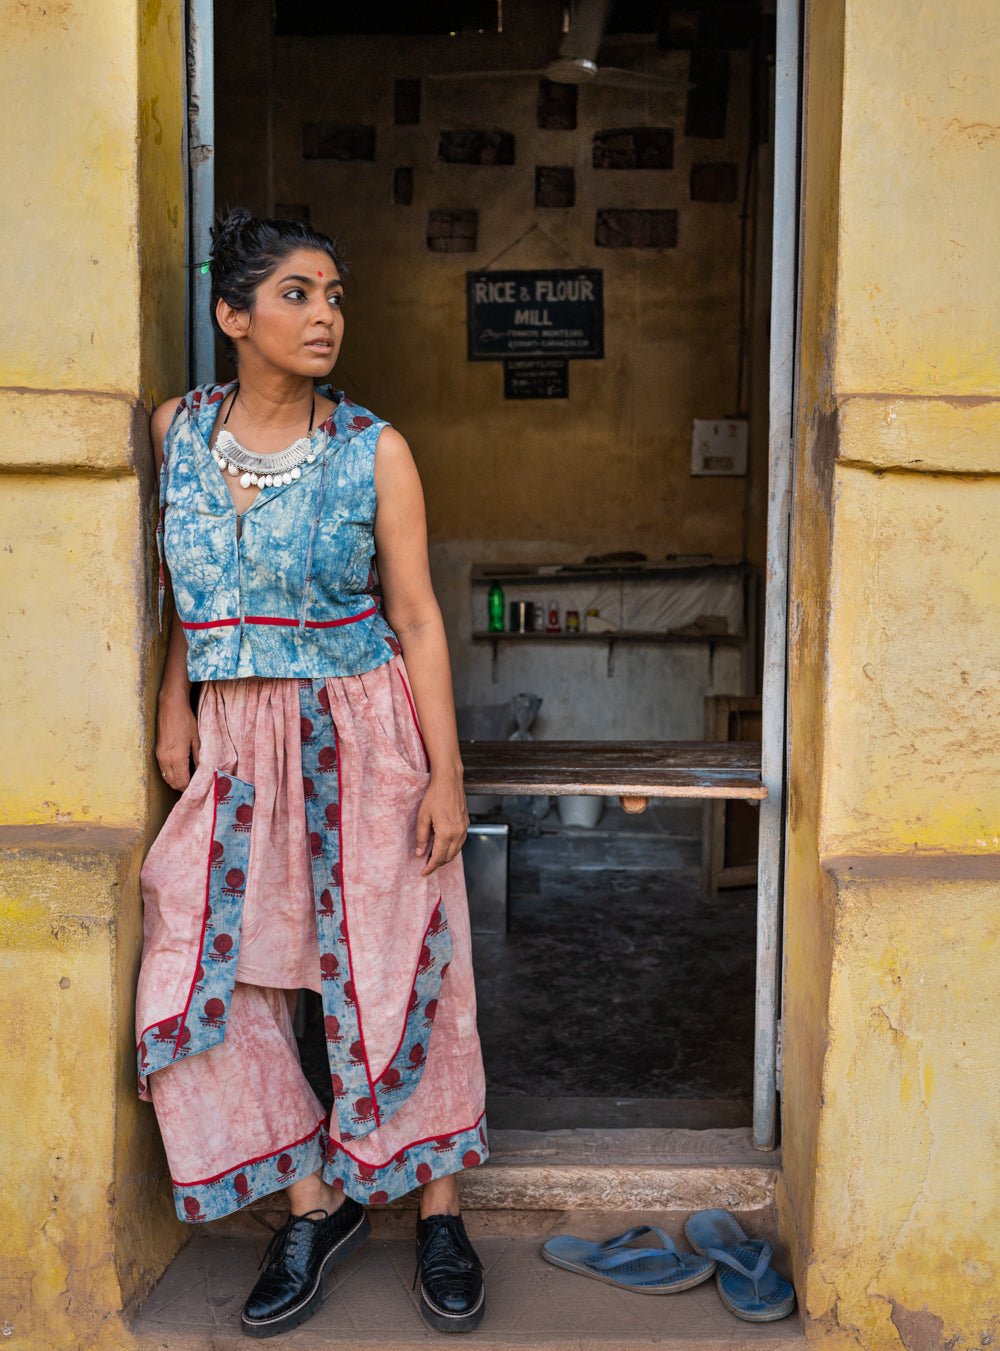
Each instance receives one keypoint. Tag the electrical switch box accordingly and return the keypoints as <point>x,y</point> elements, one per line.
<point>719,447</point>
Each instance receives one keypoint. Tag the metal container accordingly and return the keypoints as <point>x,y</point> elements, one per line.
<point>522,617</point>
<point>485,856</point>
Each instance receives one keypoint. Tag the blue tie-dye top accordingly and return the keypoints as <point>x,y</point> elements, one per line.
<point>291,593</point>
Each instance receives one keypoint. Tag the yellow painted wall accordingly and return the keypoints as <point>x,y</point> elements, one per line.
<point>889,1191</point>
<point>93,182</point>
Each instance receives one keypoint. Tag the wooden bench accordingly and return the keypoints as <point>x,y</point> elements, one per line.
<point>633,771</point>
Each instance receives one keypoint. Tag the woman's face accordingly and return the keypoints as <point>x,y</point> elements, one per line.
<point>297,323</point>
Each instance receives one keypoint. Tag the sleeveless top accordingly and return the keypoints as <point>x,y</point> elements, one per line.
<point>291,593</point>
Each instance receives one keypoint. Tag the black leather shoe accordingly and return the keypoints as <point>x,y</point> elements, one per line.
<point>298,1257</point>
<point>452,1296</point>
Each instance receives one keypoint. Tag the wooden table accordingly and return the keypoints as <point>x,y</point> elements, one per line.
<point>633,771</point>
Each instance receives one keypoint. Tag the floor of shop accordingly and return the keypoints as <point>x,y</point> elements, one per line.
<point>622,995</point>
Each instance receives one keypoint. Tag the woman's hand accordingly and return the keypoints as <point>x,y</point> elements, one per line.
<point>177,741</point>
<point>442,812</point>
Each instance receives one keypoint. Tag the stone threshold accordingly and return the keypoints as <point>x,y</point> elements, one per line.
<point>623,1170</point>
<point>531,1305</point>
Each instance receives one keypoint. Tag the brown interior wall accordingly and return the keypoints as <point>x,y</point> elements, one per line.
<point>609,468</point>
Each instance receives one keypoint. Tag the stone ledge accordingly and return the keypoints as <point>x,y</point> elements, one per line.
<point>71,432</point>
<point>920,867</point>
<point>666,1186</point>
<point>64,872</point>
<point>925,436</point>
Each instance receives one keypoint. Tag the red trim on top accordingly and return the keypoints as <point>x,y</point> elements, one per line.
<point>441,1135</point>
<point>335,623</point>
<point>347,931</point>
<point>279,619</point>
<point>249,1163</point>
<point>204,917</point>
<point>413,712</point>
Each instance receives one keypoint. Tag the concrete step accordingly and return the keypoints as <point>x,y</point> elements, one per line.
<point>531,1305</point>
<point>609,1169</point>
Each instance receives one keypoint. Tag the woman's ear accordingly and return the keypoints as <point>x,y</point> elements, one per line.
<point>234,323</point>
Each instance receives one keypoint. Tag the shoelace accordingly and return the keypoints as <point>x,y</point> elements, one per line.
<point>281,1238</point>
<point>444,1249</point>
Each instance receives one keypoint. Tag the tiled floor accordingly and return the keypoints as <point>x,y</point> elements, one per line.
<point>619,978</point>
<point>529,1303</point>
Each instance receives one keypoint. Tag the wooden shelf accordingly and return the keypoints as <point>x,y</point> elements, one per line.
<point>617,636</point>
<point>537,574</point>
<point>636,770</point>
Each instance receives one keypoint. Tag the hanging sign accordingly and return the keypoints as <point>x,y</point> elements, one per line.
<point>553,313</point>
<point>536,378</point>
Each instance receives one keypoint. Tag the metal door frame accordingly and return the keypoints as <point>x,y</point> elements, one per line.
<point>774,689</point>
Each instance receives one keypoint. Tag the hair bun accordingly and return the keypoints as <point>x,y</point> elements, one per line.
<point>229,227</point>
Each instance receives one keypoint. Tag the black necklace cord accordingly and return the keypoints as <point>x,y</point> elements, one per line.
<point>312,411</point>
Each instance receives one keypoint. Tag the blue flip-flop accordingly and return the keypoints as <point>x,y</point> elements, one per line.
<point>748,1285</point>
<point>647,1271</point>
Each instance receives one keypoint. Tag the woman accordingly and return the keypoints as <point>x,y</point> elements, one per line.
<point>316,843</point>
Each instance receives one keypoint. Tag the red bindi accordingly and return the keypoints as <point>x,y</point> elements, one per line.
<point>319,274</point>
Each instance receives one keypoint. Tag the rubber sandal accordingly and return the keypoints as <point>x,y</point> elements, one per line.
<point>748,1285</point>
<point>647,1271</point>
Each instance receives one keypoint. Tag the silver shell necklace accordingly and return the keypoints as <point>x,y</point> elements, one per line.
<point>262,471</point>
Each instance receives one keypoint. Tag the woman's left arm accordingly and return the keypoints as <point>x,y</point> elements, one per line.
<point>413,612</point>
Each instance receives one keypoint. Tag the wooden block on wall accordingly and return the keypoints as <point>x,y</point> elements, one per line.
<point>633,148</point>
<point>484,146</point>
<point>708,98</point>
<point>452,231</point>
<point>627,229</point>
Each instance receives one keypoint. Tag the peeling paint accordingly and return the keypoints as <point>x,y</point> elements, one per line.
<point>920,1330</point>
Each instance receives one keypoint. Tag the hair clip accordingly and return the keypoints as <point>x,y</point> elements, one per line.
<point>205,267</point>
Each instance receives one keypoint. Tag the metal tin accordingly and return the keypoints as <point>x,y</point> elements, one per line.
<point>522,617</point>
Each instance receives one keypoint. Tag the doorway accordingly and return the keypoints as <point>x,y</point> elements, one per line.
<point>423,132</point>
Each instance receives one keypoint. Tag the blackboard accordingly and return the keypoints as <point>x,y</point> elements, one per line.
<point>536,378</point>
<point>552,313</point>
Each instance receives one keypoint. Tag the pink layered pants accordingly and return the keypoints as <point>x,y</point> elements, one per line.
<point>289,863</point>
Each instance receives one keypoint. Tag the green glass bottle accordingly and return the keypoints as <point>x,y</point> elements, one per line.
<point>495,604</point>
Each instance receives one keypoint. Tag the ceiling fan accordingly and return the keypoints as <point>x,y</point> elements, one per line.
<point>576,60</point>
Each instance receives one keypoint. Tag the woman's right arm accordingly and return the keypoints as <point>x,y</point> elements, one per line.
<point>177,742</point>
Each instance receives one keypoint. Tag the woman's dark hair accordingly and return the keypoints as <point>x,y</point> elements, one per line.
<point>246,249</point>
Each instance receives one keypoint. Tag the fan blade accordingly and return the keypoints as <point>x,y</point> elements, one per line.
<point>486,75</point>
<point>610,77</point>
